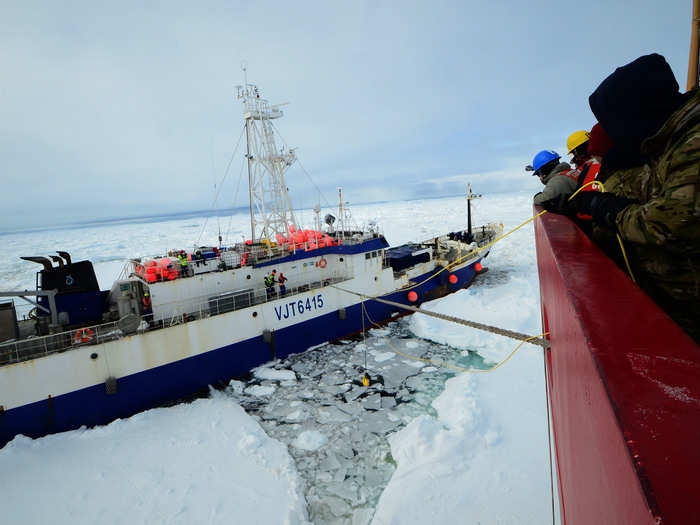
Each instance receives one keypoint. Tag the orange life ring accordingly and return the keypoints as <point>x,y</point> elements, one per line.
<point>322,263</point>
<point>83,335</point>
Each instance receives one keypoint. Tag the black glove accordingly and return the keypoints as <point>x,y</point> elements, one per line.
<point>603,207</point>
<point>558,204</point>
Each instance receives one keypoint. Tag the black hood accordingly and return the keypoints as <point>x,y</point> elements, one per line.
<point>632,104</point>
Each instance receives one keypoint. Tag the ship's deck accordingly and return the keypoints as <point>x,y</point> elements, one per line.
<point>34,347</point>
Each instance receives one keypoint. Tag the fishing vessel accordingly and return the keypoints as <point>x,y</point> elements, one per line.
<point>171,325</point>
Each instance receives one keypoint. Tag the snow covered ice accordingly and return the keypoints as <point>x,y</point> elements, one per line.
<point>423,444</point>
<point>199,462</point>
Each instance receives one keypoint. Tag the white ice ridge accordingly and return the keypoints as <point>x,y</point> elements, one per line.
<point>482,460</point>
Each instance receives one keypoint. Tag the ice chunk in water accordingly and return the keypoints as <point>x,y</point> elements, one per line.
<point>310,440</point>
<point>377,423</point>
<point>361,516</point>
<point>388,402</point>
<point>355,393</point>
<point>336,506</point>
<point>352,408</point>
<point>260,390</point>
<point>396,375</point>
<point>336,389</point>
<point>334,378</point>
<point>330,462</point>
<point>344,450</point>
<point>297,415</point>
<point>332,414</point>
<point>380,357</point>
<point>272,374</point>
<point>236,386</point>
<point>373,402</point>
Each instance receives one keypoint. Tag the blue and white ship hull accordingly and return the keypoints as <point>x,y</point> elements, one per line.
<point>95,383</point>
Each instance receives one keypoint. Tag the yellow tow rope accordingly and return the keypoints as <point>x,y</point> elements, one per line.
<point>365,378</point>
<point>440,363</point>
<point>619,239</point>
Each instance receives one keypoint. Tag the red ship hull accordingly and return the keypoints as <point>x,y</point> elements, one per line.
<point>624,389</point>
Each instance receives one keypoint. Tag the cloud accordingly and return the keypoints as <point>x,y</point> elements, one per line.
<point>108,111</point>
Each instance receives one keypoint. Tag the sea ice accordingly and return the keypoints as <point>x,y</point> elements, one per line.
<point>380,357</point>
<point>203,461</point>
<point>373,402</point>
<point>310,440</point>
<point>260,390</point>
<point>196,462</point>
<point>273,374</point>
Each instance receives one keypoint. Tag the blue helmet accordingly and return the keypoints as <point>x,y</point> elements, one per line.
<point>543,157</point>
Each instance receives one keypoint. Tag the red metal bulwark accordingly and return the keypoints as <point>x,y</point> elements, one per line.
<point>624,385</point>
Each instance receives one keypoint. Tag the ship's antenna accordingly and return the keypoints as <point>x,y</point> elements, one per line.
<point>271,210</point>
<point>470,196</point>
<point>341,222</point>
<point>317,211</point>
<point>244,67</point>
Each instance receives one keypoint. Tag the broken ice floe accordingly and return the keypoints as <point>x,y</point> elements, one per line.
<point>337,428</point>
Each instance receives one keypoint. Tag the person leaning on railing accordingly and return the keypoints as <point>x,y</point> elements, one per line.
<point>184,264</point>
<point>558,177</point>
<point>147,307</point>
<point>283,288</point>
<point>652,181</point>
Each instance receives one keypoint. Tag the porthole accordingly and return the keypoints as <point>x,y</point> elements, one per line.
<point>247,276</point>
<point>255,314</point>
<point>341,259</point>
<point>93,356</point>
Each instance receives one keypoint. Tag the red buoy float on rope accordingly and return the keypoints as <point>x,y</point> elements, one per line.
<point>412,296</point>
<point>453,279</point>
<point>478,267</point>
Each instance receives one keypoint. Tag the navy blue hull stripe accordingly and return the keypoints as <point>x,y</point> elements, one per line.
<point>93,406</point>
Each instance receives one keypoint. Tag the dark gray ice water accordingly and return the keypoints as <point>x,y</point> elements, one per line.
<point>335,428</point>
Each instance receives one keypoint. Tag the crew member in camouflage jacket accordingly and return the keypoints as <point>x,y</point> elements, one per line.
<point>652,183</point>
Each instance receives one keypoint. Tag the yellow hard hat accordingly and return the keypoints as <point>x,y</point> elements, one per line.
<point>576,139</point>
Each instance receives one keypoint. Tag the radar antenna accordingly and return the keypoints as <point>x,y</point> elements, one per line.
<point>271,211</point>
<point>470,196</point>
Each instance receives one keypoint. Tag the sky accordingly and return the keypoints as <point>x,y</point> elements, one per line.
<point>129,109</point>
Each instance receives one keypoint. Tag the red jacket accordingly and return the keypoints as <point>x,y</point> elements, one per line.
<point>589,173</point>
<point>572,173</point>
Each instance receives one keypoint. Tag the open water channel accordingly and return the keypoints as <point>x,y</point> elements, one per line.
<point>335,428</point>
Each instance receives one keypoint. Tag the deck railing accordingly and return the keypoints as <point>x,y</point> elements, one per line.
<point>168,314</point>
<point>255,254</point>
<point>623,386</point>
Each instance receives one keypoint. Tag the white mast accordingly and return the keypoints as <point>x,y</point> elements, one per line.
<point>270,207</point>
<point>341,225</point>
